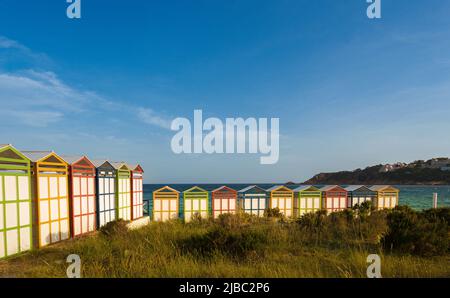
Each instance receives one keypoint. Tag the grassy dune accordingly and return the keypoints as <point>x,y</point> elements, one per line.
<point>235,246</point>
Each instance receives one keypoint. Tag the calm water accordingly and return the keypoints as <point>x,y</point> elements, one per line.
<point>417,197</point>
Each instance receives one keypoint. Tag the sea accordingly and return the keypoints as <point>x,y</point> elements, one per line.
<point>418,197</point>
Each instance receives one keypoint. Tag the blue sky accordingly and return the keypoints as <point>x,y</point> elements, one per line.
<point>349,91</point>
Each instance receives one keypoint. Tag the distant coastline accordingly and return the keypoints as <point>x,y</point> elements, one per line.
<point>416,173</point>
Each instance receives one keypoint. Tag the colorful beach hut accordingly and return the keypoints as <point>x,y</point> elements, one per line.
<point>387,196</point>
<point>137,192</point>
<point>166,202</point>
<point>15,202</point>
<point>334,198</point>
<point>105,192</point>
<point>123,190</point>
<point>307,199</point>
<point>195,202</point>
<point>224,200</point>
<point>282,197</point>
<point>358,194</point>
<point>253,200</point>
<point>82,194</point>
<point>51,190</point>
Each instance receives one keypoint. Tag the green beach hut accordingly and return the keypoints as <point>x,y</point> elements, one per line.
<point>123,190</point>
<point>307,199</point>
<point>195,202</point>
<point>15,202</point>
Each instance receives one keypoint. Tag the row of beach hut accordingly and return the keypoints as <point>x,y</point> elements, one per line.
<point>46,198</point>
<point>169,203</point>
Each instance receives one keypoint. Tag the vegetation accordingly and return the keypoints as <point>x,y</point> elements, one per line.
<point>410,244</point>
<point>372,175</point>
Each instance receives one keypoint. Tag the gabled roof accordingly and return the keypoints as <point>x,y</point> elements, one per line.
<point>331,187</point>
<point>383,188</point>
<point>222,188</point>
<point>9,151</point>
<point>119,164</point>
<point>99,162</point>
<point>251,187</point>
<point>166,188</point>
<point>357,188</point>
<point>36,156</point>
<point>72,159</point>
<point>135,167</point>
<point>277,187</point>
<point>305,187</point>
<point>195,188</point>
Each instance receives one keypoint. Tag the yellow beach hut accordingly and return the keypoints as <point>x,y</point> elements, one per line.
<point>387,196</point>
<point>165,204</point>
<point>50,195</point>
<point>282,197</point>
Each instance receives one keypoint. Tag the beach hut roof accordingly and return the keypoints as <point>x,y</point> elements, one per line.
<point>251,187</point>
<point>36,156</point>
<point>136,166</point>
<point>357,187</point>
<point>223,188</point>
<point>330,187</point>
<point>70,159</point>
<point>167,188</point>
<point>276,187</point>
<point>382,188</point>
<point>195,188</point>
<point>8,151</point>
<point>99,162</point>
<point>305,187</point>
<point>117,165</point>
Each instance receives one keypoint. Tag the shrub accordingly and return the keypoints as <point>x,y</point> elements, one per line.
<point>439,213</point>
<point>232,242</point>
<point>273,213</point>
<point>419,233</point>
<point>313,221</point>
<point>114,228</point>
<point>235,221</point>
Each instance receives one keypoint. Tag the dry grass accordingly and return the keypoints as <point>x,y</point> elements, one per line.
<point>265,248</point>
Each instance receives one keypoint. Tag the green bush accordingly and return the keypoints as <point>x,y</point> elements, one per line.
<point>439,213</point>
<point>419,233</point>
<point>273,213</point>
<point>114,228</point>
<point>234,242</point>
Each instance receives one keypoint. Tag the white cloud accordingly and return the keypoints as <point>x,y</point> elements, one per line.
<point>14,51</point>
<point>37,118</point>
<point>34,89</point>
<point>40,98</point>
<point>149,116</point>
<point>6,43</point>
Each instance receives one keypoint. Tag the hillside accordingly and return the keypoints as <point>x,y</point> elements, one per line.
<point>374,175</point>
